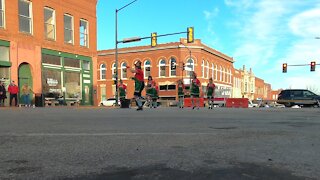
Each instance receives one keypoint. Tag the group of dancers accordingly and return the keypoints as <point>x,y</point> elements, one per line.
<point>152,90</point>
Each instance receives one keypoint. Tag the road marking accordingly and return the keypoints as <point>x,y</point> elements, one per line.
<point>104,134</point>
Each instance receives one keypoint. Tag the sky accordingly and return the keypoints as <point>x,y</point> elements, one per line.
<point>260,34</point>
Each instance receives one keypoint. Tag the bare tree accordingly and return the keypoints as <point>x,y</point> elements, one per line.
<point>313,88</point>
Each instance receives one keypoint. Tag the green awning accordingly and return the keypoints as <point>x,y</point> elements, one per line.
<point>5,63</point>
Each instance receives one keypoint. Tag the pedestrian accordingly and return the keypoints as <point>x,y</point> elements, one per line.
<point>122,91</point>
<point>3,93</point>
<point>26,90</point>
<point>195,90</point>
<point>149,91</point>
<point>138,84</point>
<point>154,95</point>
<point>180,87</point>
<point>13,89</point>
<point>210,93</point>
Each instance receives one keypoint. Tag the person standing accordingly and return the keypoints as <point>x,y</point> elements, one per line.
<point>138,84</point>
<point>13,89</point>
<point>122,91</point>
<point>149,91</point>
<point>154,95</point>
<point>180,87</point>
<point>26,90</point>
<point>210,92</point>
<point>3,93</point>
<point>195,90</point>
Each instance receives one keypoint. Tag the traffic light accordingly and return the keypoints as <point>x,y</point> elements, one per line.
<point>313,66</point>
<point>284,67</point>
<point>190,35</point>
<point>183,66</point>
<point>173,65</point>
<point>153,39</point>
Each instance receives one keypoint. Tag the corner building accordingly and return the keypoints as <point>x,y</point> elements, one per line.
<point>50,45</point>
<point>158,62</point>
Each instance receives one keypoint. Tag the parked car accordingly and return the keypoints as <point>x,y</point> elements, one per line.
<point>304,97</point>
<point>252,105</point>
<point>109,102</point>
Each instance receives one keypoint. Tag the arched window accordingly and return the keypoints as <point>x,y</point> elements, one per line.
<point>220,74</point>
<point>212,69</point>
<point>202,69</point>
<point>189,67</point>
<point>230,74</point>
<point>216,72</point>
<point>147,68</point>
<point>162,68</point>
<point>123,70</point>
<point>173,65</point>
<point>113,71</point>
<point>223,75</point>
<point>207,67</point>
<point>102,72</point>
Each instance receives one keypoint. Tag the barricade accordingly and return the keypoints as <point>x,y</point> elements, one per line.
<point>187,102</point>
<point>237,102</point>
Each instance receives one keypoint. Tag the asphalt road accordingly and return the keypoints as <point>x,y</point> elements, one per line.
<point>163,143</point>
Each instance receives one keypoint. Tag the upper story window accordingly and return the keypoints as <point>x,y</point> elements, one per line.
<point>49,23</point>
<point>190,67</point>
<point>212,68</point>
<point>173,65</point>
<point>123,70</point>
<point>202,69</point>
<point>147,68</point>
<point>68,29</point>
<point>25,16</point>
<point>84,35</point>
<point>102,72</point>
<point>207,70</point>
<point>113,71</point>
<point>2,14</point>
<point>162,68</point>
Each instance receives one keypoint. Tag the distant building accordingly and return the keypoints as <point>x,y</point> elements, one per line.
<point>51,45</point>
<point>157,62</point>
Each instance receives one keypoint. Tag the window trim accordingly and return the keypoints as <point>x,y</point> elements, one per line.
<point>121,68</point>
<point>144,68</point>
<point>30,18</point>
<point>54,21</point>
<point>103,69</point>
<point>170,71</point>
<point>113,71</point>
<point>162,65</point>
<point>188,73</point>
<point>87,33</point>
<point>64,28</point>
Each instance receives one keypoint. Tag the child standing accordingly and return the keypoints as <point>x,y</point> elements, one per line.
<point>180,87</point>
<point>195,90</point>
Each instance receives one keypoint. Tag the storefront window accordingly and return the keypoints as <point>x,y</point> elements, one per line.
<point>86,65</point>
<point>72,84</point>
<point>50,59</point>
<point>51,83</point>
<point>71,62</point>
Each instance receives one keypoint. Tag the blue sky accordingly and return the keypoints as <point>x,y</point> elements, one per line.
<point>261,34</point>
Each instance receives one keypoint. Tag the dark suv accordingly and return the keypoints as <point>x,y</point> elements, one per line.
<point>290,97</point>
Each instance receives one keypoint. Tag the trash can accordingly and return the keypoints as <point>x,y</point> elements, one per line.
<point>39,100</point>
<point>125,103</point>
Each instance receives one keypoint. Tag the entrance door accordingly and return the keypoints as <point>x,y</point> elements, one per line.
<point>87,95</point>
<point>25,77</point>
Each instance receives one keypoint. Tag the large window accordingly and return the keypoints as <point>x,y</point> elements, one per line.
<point>202,69</point>
<point>162,68</point>
<point>2,14</point>
<point>50,59</point>
<point>220,74</point>
<point>84,33</point>
<point>25,16</point>
<point>147,68</point>
<point>123,70</point>
<point>86,65</point>
<point>207,70</point>
<point>103,93</point>
<point>102,72</point>
<point>51,83</point>
<point>173,71</point>
<point>71,63</point>
<point>72,84</point>
<point>68,29</point>
<point>212,75</point>
<point>190,67</point>
<point>216,72</point>
<point>49,23</point>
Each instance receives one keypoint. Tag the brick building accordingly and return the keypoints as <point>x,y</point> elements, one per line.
<point>157,62</point>
<point>262,89</point>
<point>51,45</point>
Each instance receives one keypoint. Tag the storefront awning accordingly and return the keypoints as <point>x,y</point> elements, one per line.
<point>5,63</point>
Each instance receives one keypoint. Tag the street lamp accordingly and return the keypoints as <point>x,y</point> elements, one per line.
<point>116,49</point>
